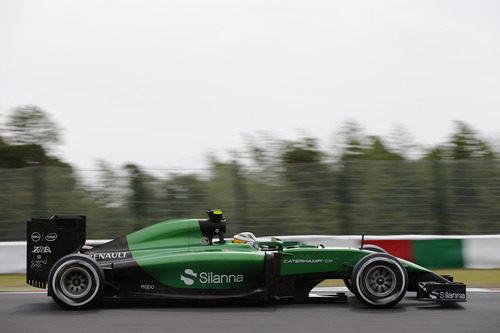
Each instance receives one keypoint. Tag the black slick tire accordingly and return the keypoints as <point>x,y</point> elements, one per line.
<point>379,280</point>
<point>76,281</point>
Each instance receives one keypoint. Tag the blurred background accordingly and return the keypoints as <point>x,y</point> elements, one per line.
<point>293,117</point>
<point>363,184</point>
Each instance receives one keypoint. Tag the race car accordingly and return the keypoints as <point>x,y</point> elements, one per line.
<point>191,259</point>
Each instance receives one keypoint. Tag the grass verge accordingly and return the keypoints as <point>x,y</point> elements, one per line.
<point>14,282</point>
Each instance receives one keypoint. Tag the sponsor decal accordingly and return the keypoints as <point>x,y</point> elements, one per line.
<point>35,237</point>
<point>41,249</point>
<point>38,263</point>
<point>210,277</point>
<point>147,287</point>
<point>307,261</point>
<point>109,255</point>
<point>187,280</point>
<point>214,278</point>
<point>51,237</point>
<point>440,294</point>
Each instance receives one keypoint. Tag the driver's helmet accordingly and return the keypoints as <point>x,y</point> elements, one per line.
<point>246,238</point>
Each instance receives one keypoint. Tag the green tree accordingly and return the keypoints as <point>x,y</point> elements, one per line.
<point>353,144</point>
<point>467,145</point>
<point>469,152</point>
<point>185,196</point>
<point>239,193</point>
<point>23,156</point>
<point>140,194</point>
<point>29,124</point>
<point>301,151</point>
<point>377,150</point>
<point>353,141</point>
<point>311,182</point>
<point>464,144</point>
<point>367,179</point>
<point>402,143</point>
<point>456,183</point>
<point>305,172</point>
<point>29,155</point>
<point>110,186</point>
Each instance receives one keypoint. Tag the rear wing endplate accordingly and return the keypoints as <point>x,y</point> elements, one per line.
<point>47,241</point>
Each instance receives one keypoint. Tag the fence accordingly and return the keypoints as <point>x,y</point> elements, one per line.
<point>373,197</point>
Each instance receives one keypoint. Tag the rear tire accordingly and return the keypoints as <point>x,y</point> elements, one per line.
<point>379,280</point>
<point>76,281</point>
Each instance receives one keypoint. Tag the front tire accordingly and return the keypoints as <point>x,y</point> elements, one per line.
<point>76,281</point>
<point>373,248</point>
<point>379,280</point>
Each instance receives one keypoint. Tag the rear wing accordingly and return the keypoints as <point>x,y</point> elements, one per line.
<point>47,241</point>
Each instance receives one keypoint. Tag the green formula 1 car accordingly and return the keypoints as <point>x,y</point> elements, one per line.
<point>190,259</point>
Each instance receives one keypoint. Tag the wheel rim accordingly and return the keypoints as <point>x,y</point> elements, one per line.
<point>75,282</point>
<point>380,281</point>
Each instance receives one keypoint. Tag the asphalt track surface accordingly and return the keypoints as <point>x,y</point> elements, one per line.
<point>37,313</point>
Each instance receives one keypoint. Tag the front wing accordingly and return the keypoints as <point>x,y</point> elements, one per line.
<point>441,292</point>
